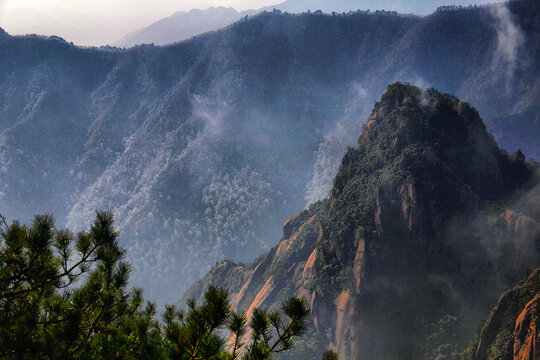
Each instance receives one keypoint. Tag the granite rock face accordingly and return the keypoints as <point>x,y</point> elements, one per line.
<point>419,212</point>
<point>511,332</point>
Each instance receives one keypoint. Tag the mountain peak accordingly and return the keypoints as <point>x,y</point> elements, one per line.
<point>407,114</point>
<point>403,230</point>
<point>412,131</point>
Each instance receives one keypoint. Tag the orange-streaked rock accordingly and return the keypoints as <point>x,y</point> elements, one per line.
<point>309,268</point>
<point>526,335</point>
<point>261,296</point>
<point>519,224</point>
<point>286,243</point>
<point>358,264</point>
<point>511,329</point>
<point>346,327</point>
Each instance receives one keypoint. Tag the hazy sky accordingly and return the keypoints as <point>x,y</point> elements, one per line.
<point>97,22</point>
<point>130,6</point>
<point>100,22</point>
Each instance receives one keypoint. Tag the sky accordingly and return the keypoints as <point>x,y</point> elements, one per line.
<point>98,22</point>
<point>101,22</point>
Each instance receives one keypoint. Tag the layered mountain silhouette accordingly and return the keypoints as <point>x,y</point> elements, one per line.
<point>203,148</point>
<point>183,25</point>
<point>427,223</point>
<point>417,7</point>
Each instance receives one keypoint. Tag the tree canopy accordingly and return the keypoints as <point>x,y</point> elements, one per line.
<point>65,296</point>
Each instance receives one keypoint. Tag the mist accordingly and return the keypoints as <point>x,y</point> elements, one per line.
<point>203,149</point>
<point>365,161</point>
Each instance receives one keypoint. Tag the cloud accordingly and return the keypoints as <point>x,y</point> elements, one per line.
<point>510,41</point>
<point>211,113</point>
<point>326,166</point>
<point>330,152</point>
<point>509,237</point>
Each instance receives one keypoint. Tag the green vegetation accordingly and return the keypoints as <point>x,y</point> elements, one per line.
<point>65,297</point>
<point>330,355</point>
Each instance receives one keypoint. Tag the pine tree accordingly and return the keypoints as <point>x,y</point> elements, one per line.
<point>330,355</point>
<point>64,297</point>
<point>46,315</point>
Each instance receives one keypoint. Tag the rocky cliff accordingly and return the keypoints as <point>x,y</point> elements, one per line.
<point>511,332</point>
<point>426,222</point>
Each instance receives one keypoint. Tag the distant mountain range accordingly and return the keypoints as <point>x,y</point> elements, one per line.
<point>418,7</point>
<point>183,25</point>
<point>203,148</point>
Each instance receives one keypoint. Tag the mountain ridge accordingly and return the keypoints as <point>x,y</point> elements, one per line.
<point>194,146</point>
<point>183,25</point>
<point>171,29</point>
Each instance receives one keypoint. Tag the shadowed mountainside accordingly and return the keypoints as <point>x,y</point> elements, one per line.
<point>203,148</point>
